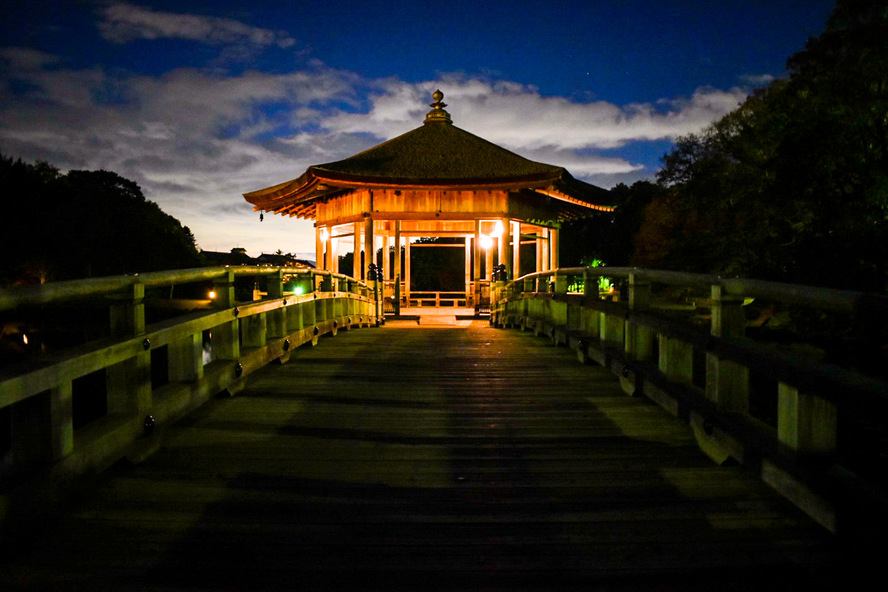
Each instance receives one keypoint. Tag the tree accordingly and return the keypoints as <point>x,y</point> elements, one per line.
<point>608,237</point>
<point>793,184</point>
<point>83,224</point>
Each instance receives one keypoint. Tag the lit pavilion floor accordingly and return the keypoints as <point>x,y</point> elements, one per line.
<point>429,316</point>
<point>428,458</point>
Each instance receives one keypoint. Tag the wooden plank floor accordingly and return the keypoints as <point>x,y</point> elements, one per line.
<point>426,458</point>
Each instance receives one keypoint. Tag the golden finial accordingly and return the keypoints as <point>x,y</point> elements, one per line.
<point>437,113</point>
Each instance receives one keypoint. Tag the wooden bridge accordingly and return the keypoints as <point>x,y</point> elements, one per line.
<point>423,454</point>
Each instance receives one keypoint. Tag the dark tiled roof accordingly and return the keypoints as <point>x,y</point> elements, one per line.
<point>437,155</point>
<point>434,154</point>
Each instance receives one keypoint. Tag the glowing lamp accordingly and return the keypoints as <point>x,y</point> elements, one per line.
<point>212,295</point>
<point>497,229</point>
<point>486,242</point>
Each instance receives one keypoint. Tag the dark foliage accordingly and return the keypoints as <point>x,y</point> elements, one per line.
<point>792,185</point>
<point>83,224</point>
<point>609,237</point>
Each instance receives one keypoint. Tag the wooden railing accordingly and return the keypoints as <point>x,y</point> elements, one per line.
<point>437,299</point>
<point>201,353</point>
<point>813,429</point>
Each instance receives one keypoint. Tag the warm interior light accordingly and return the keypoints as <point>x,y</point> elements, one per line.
<point>486,242</point>
<point>325,234</point>
<point>497,229</point>
<point>212,294</point>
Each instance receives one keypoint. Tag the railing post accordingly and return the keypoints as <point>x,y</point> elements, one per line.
<point>727,382</point>
<point>588,289</point>
<point>529,284</point>
<point>274,284</point>
<point>129,382</point>
<point>639,339</point>
<point>42,427</point>
<point>185,358</point>
<point>805,424</point>
<point>676,359</point>
<point>226,338</point>
<point>397,303</point>
<point>374,277</point>
<point>254,330</point>
<point>276,320</point>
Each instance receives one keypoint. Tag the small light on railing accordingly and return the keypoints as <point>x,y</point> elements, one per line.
<point>25,338</point>
<point>212,295</point>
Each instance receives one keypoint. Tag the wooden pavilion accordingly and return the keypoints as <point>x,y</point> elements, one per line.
<point>435,181</point>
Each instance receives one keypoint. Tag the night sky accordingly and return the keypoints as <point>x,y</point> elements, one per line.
<point>200,102</point>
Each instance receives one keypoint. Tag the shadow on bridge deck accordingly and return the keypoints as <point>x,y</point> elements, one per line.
<point>408,459</point>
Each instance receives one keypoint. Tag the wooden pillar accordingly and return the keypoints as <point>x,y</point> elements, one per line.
<point>676,359</point>
<point>553,249</point>
<point>334,254</point>
<point>516,249</point>
<point>468,246</point>
<point>254,330</point>
<point>319,248</point>
<point>42,427</point>
<point>357,272</point>
<point>639,339</point>
<point>397,272</point>
<point>542,249</point>
<point>226,340</point>
<point>727,382</point>
<point>407,270</point>
<point>369,244</point>
<point>806,424</point>
<point>476,272</point>
<point>129,382</point>
<point>185,358</point>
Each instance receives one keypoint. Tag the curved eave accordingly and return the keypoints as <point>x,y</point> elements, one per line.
<point>298,197</point>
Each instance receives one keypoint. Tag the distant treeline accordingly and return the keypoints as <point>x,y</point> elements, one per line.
<point>791,186</point>
<point>83,224</point>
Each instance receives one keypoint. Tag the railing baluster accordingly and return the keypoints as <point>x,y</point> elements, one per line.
<point>129,382</point>
<point>727,382</point>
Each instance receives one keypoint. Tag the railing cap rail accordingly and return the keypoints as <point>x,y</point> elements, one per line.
<point>830,299</point>
<point>15,296</point>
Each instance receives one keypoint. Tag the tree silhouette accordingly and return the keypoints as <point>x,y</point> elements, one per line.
<point>83,224</point>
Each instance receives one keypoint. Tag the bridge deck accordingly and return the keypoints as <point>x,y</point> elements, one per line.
<point>423,457</point>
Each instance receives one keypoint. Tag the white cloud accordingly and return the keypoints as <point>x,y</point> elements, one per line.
<point>758,79</point>
<point>520,118</point>
<point>24,58</point>
<point>125,22</point>
<point>195,141</point>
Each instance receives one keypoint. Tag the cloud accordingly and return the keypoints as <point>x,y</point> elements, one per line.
<point>195,140</point>
<point>24,58</point>
<point>758,79</point>
<point>125,22</point>
<point>519,117</point>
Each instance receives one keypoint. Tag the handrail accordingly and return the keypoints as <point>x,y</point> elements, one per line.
<point>827,299</point>
<point>202,354</point>
<point>15,296</point>
<point>704,374</point>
